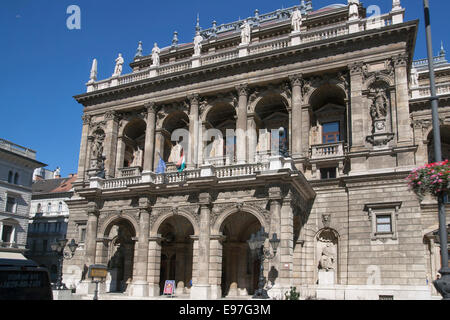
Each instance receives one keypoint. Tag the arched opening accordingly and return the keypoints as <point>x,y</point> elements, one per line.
<point>271,114</point>
<point>16,178</point>
<point>445,144</point>
<point>10,177</point>
<point>220,149</point>
<point>328,120</point>
<point>173,150</point>
<point>120,254</point>
<point>134,140</point>
<point>176,253</point>
<point>240,270</point>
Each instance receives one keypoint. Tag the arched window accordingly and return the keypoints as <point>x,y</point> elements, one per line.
<point>60,207</point>
<point>10,177</point>
<point>49,207</point>
<point>16,178</point>
<point>39,208</point>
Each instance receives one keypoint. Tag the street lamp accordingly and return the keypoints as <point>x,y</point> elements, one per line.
<point>442,285</point>
<point>58,247</point>
<point>256,244</point>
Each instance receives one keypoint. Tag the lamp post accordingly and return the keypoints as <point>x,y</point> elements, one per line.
<point>58,247</point>
<point>256,244</point>
<point>442,285</point>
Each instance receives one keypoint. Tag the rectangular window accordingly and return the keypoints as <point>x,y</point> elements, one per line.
<point>11,205</point>
<point>327,173</point>
<point>44,245</point>
<point>384,224</point>
<point>330,132</point>
<point>7,234</point>
<point>83,235</point>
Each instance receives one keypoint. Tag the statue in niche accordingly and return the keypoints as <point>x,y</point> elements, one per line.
<point>216,147</point>
<point>97,150</point>
<point>155,55</point>
<point>414,78</point>
<point>379,107</point>
<point>175,153</point>
<point>119,66</point>
<point>245,33</point>
<point>296,20</point>
<point>137,156</point>
<point>198,44</point>
<point>263,141</point>
<point>328,256</point>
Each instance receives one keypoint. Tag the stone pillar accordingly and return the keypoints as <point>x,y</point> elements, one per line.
<point>150,136</point>
<point>241,125</point>
<point>297,116</point>
<point>140,285</point>
<point>215,268</point>
<point>402,101</point>
<point>201,144</point>
<point>159,147</point>
<point>83,148</point>
<point>357,107</point>
<point>120,157</point>
<point>306,127</point>
<point>154,266</point>
<point>112,128</point>
<point>201,289</point>
<point>193,131</point>
<point>252,138</point>
<point>286,248</point>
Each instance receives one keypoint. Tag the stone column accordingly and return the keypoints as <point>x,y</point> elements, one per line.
<point>120,157</point>
<point>112,128</point>
<point>140,284</point>
<point>286,248</point>
<point>154,266</point>
<point>241,125</point>
<point>402,100</point>
<point>193,131</point>
<point>83,148</point>
<point>201,289</point>
<point>150,136</point>
<point>357,107</point>
<point>252,138</point>
<point>215,269</point>
<point>159,147</point>
<point>297,116</point>
<point>201,144</point>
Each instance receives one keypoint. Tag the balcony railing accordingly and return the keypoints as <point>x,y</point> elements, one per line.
<point>329,150</point>
<point>220,172</point>
<point>10,146</point>
<point>425,92</point>
<point>130,172</point>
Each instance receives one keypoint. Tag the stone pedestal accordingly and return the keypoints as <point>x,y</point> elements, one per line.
<point>326,278</point>
<point>295,38</point>
<point>153,72</point>
<point>62,295</point>
<point>243,50</point>
<point>353,26</point>
<point>201,292</point>
<point>196,61</point>
<point>139,289</point>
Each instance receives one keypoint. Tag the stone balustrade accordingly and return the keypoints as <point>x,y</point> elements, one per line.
<point>425,91</point>
<point>316,34</point>
<point>221,172</point>
<point>329,150</point>
<point>130,172</point>
<point>12,147</point>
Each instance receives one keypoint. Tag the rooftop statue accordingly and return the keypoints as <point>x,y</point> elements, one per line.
<point>155,55</point>
<point>296,20</point>
<point>119,65</point>
<point>414,78</point>
<point>245,33</point>
<point>353,9</point>
<point>198,44</point>
<point>93,75</point>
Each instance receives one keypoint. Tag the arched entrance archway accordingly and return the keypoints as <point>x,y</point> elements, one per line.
<point>445,144</point>
<point>120,255</point>
<point>176,253</point>
<point>240,270</point>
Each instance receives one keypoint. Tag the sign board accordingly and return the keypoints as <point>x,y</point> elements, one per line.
<point>98,271</point>
<point>169,287</point>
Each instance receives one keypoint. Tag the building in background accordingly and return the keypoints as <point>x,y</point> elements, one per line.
<point>17,165</point>
<point>48,219</point>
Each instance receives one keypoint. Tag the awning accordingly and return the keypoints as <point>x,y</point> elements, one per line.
<point>12,256</point>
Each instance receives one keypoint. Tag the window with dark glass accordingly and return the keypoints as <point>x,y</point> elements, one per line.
<point>330,132</point>
<point>7,233</point>
<point>327,173</point>
<point>16,178</point>
<point>11,204</point>
<point>10,177</point>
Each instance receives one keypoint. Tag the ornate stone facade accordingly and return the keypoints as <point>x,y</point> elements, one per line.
<point>341,113</point>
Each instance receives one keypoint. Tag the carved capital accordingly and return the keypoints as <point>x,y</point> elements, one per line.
<point>194,98</point>
<point>356,68</point>
<point>86,119</point>
<point>400,61</point>
<point>92,209</point>
<point>151,107</point>
<point>242,89</point>
<point>111,115</point>
<point>296,80</point>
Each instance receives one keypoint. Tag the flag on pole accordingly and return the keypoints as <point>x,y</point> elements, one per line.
<point>181,164</point>
<point>161,165</point>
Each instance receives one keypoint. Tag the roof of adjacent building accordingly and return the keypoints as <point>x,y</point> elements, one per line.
<point>48,186</point>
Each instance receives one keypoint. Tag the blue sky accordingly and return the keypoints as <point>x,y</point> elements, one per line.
<point>44,64</point>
